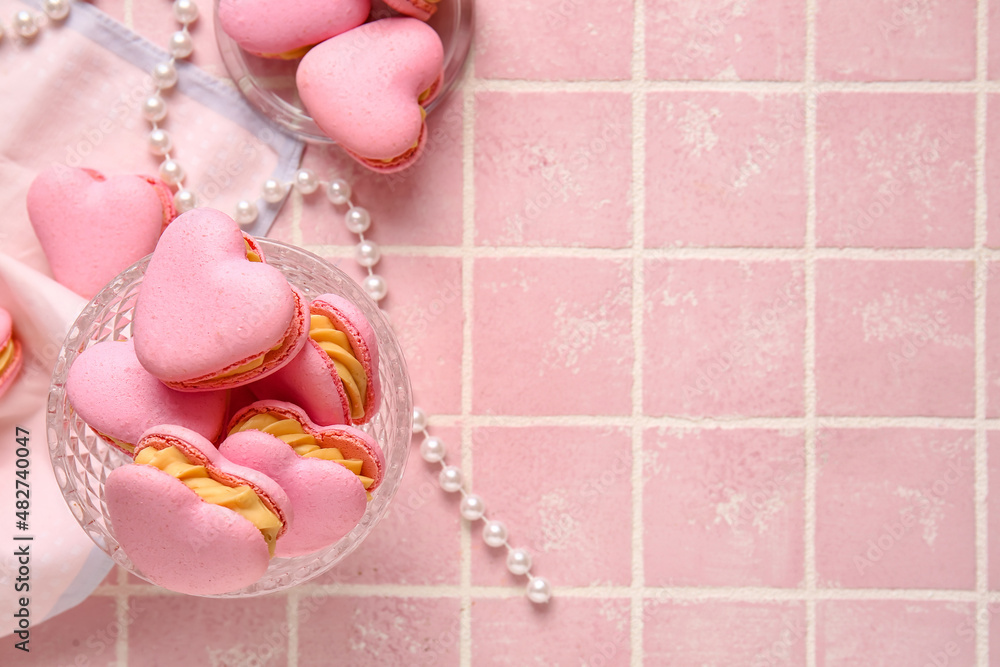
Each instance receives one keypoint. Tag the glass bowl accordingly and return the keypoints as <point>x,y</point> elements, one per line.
<point>269,84</point>
<point>82,461</point>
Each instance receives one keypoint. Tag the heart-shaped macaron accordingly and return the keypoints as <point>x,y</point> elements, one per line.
<point>120,400</point>
<point>367,88</point>
<point>189,519</point>
<point>335,377</point>
<point>282,29</point>
<point>11,356</point>
<point>211,314</point>
<point>92,226</point>
<point>324,470</point>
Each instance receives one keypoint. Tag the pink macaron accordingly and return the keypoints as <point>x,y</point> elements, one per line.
<point>189,519</point>
<point>92,227</point>
<point>418,9</point>
<point>211,314</point>
<point>120,400</point>
<point>367,89</point>
<point>335,377</point>
<point>11,354</point>
<point>281,29</point>
<point>325,471</point>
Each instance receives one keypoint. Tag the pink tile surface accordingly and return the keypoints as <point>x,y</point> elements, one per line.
<point>894,632</point>
<point>583,508</point>
<point>363,631</point>
<point>740,324</point>
<point>520,39</point>
<point>254,631</point>
<point>894,338</point>
<point>993,169</point>
<point>725,508</point>
<point>566,632</point>
<point>84,635</point>
<point>901,40</point>
<point>724,40</point>
<point>553,169</point>
<point>895,170</point>
<point>422,523</point>
<point>894,509</point>
<point>993,500</point>
<point>725,169</point>
<point>693,634</point>
<point>567,322</point>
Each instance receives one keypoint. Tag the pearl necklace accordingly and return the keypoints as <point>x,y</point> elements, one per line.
<point>26,25</point>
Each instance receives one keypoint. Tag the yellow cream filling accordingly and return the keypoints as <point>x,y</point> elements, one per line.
<point>241,499</point>
<point>337,346</point>
<point>251,255</point>
<point>291,431</point>
<point>6,355</point>
<point>294,54</point>
<point>121,443</point>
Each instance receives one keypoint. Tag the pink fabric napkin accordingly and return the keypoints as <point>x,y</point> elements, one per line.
<point>72,97</point>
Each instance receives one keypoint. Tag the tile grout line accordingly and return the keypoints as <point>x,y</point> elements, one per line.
<point>468,239</point>
<point>981,450</point>
<point>790,88</point>
<point>599,592</point>
<point>121,616</point>
<point>679,253</point>
<point>638,104</point>
<point>809,346</point>
<point>715,423</point>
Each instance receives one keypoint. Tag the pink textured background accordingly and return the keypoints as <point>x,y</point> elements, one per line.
<point>705,299</point>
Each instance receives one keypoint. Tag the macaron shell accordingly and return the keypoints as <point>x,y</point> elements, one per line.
<point>9,374</point>
<point>252,23</point>
<point>117,397</point>
<point>348,318</point>
<point>362,87</point>
<point>91,227</point>
<point>179,541</point>
<point>352,442</point>
<point>200,451</point>
<point>327,499</point>
<point>418,9</point>
<point>310,381</point>
<point>203,308</point>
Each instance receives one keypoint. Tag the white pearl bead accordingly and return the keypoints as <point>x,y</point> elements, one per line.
<point>339,191</point>
<point>160,142</point>
<point>185,200</point>
<point>246,212</point>
<point>432,449</point>
<point>25,24</point>
<point>306,181</point>
<point>185,11</point>
<point>472,507</point>
<point>450,479</point>
<point>181,44</point>
<point>367,253</point>
<point>273,191</point>
<point>419,420</point>
<point>165,75</point>
<point>358,220</point>
<point>154,109</point>
<point>518,561</point>
<point>495,533</point>
<point>56,10</point>
<point>171,172</point>
<point>375,286</point>
<point>539,590</point>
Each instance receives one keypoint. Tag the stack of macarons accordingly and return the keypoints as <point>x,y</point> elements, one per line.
<point>366,85</point>
<point>239,402</point>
